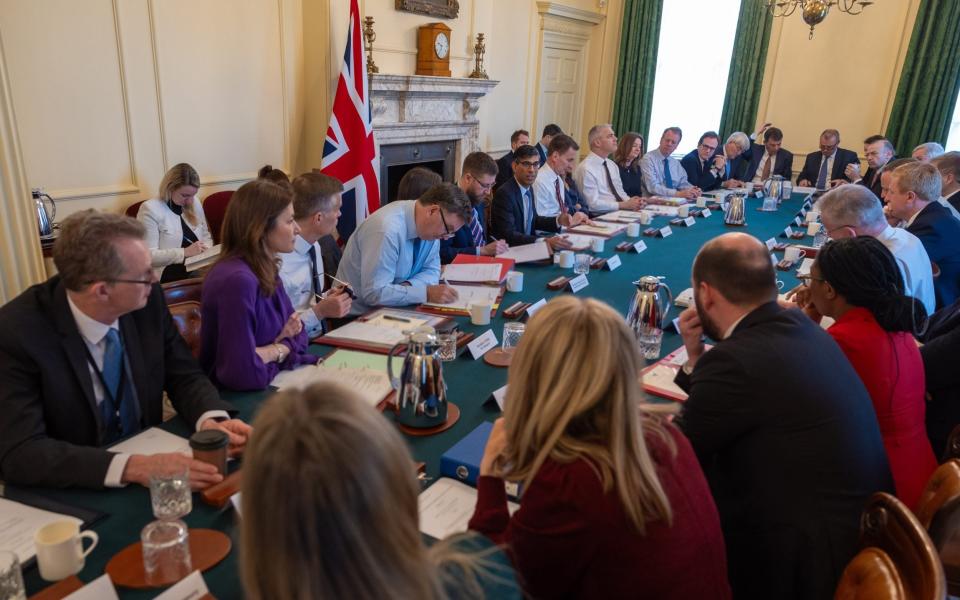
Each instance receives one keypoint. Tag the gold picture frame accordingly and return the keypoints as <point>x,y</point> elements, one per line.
<point>448,9</point>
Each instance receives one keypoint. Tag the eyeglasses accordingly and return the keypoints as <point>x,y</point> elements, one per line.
<point>448,234</point>
<point>529,164</point>
<point>483,185</point>
<point>708,147</point>
<point>140,281</point>
<point>806,279</point>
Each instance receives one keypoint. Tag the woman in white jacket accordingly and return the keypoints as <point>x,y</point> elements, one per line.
<point>176,227</point>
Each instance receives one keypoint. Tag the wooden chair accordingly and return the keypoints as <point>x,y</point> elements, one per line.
<point>214,209</point>
<point>183,300</point>
<point>185,290</point>
<point>888,527</point>
<point>133,209</point>
<point>939,513</point>
<point>953,445</point>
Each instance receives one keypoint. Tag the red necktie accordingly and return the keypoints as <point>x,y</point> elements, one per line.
<point>559,195</point>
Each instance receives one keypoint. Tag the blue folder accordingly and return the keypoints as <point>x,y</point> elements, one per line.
<point>462,460</point>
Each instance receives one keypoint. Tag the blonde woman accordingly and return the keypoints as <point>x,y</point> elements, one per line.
<point>330,510</point>
<point>615,504</point>
<point>176,227</point>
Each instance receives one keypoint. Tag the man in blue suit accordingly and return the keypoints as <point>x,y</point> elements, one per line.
<point>913,196</point>
<point>825,168</point>
<point>476,180</point>
<point>543,146</point>
<point>705,168</point>
<point>770,158</point>
<point>520,137</point>
<point>514,215</point>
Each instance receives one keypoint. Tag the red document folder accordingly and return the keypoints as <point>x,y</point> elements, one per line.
<point>506,264</point>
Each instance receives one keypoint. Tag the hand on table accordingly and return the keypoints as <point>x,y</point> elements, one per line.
<point>558,242</point>
<point>441,294</point>
<point>496,444</point>
<point>237,431</point>
<point>732,183</point>
<point>690,193</point>
<point>634,203</point>
<point>140,467</point>
<point>804,183</point>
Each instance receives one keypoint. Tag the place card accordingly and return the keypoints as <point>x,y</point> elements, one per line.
<point>499,395</point>
<point>665,231</point>
<point>771,244</point>
<point>578,283</point>
<point>533,308</point>
<point>676,324</point>
<point>705,213</point>
<point>798,221</point>
<point>613,262</point>
<point>481,344</point>
<point>639,246</point>
<point>689,222</point>
<point>191,587</point>
<point>788,232</point>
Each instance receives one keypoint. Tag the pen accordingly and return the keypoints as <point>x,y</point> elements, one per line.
<point>346,287</point>
<point>393,318</point>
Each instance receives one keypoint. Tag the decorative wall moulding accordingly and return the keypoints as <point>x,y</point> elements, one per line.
<point>556,9</point>
<point>447,9</point>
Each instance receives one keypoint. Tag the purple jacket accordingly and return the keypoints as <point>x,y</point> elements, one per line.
<point>236,318</point>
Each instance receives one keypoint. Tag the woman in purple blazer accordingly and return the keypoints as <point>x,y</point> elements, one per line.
<point>249,329</point>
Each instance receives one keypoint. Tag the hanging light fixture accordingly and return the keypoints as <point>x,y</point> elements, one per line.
<point>815,11</point>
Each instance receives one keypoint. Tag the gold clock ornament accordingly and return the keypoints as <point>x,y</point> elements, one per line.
<point>433,50</point>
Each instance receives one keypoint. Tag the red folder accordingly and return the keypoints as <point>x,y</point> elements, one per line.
<point>506,264</point>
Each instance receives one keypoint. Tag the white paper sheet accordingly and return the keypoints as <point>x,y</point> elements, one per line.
<point>19,523</point>
<point>470,294</point>
<point>472,272</point>
<point>527,252</point>
<point>204,258</point>
<point>661,376</point>
<point>446,507</point>
<point>153,441</point>
<point>802,189</point>
<point>580,242</point>
<point>400,323</point>
<point>804,268</point>
<point>629,216</point>
<point>361,331</point>
<point>599,228</point>
<point>191,587</point>
<point>663,211</point>
<point>372,386</point>
<point>100,588</point>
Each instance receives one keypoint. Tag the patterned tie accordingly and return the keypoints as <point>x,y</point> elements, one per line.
<point>527,213</point>
<point>556,183</point>
<point>475,229</point>
<point>822,177</point>
<point>667,177</point>
<point>613,189</point>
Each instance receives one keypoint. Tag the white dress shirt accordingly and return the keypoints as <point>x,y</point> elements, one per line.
<point>654,178</point>
<point>591,179</point>
<point>94,334</point>
<point>758,176</point>
<point>914,264</point>
<point>165,234</point>
<point>296,275</point>
<point>545,192</point>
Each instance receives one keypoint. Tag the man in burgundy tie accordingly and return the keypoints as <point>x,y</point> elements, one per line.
<point>477,178</point>
<point>550,188</point>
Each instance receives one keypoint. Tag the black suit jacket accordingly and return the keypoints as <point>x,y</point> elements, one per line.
<point>504,169</point>
<point>506,215</point>
<point>954,200</point>
<point>462,240</point>
<point>50,425</point>
<point>811,166</point>
<point>939,351</point>
<point>330,254</point>
<point>541,152</point>
<point>788,438</point>
<point>939,231</point>
<point>698,174</point>
<point>871,180</point>
<point>783,168</point>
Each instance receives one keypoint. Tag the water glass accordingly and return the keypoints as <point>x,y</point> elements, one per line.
<point>447,346</point>
<point>170,491</point>
<point>11,579</point>
<point>786,190</point>
<point>650,339</point>
<point>166,552</point>
<point>581,265</point>
<point>512,332</point>
<point>820,237</point>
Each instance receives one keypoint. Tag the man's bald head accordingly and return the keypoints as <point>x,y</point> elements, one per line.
<point>738,266</point>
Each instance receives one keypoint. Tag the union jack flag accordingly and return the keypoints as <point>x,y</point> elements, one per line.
<point>349,152</point>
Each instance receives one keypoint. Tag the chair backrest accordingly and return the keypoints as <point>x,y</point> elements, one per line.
<point>187,317</point>
<point>133,209</point>
<point>953,444</point>
<point>942,489</point>
<point>184,290</point>
<point>214,208</point>
<point>871,575</point>
<point>887,524</point>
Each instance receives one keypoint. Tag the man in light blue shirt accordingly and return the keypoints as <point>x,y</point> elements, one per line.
<point>663,175</point>
<point>393,258</point>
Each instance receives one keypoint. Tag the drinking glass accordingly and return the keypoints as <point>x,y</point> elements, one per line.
<point>447,346</point>
<point>581,266</point>
<point>650,339</point>
<point>820,238</point>
<point>512,332</point>
<point>166,552</point>
<point>786,190</point>
<point>11,579</point>
<point>170,491</point>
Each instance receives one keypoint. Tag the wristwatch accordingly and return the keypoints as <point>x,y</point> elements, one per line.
<point>280,352</point>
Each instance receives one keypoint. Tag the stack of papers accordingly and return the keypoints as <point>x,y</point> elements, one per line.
<point>472,273</point>
<point>153,441</point>
<point>383,332</point>
<point>579,242</point>
<point>446,507</point>
<point>204,259</point>
<point>527,252</point>
<point>600,228</point>
<point>470,294</point>
<point>362,372</point>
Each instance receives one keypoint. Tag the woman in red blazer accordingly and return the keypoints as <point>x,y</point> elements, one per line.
<point>614,503</point>
<point>857,282</point>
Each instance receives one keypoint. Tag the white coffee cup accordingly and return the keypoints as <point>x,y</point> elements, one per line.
<point>60,552</point>
<point>793,254</point>
<point>683,212</point>
<point>813,216</point>
<point>812,228</point>
<point>515,281</point>
<point>702,202</point>
<point>480,314</point>
<point>644,218</point>
<point>596,244</point>
<point>633,229</point>
<point>566,259</point>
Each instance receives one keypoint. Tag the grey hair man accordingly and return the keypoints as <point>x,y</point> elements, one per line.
<point>927,152</point>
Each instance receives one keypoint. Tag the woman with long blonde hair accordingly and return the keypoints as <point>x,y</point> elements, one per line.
<point>175,224</point>
<point>614,501</point>
<point>330,510</point>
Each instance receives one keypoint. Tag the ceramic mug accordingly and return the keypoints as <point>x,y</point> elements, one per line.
<point>60,552</point>
<point>596,244</point>
<point>480,314</point>
<point>633,229</point>
<point>793,254</point>
<point>515,281</point>
<point>566,259</point>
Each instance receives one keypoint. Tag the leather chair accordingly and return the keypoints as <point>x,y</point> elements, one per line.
<point>133,209</point>
<point>184,290</point>
<point>911,569</point>
<point>953,445</point>
<point>183,301</point>
<point>939,513</point>
<point>214,209</point>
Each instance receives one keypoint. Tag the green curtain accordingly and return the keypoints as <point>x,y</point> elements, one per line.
<point>927,93</point>
<point>639,37</point>
<point>747,63</point>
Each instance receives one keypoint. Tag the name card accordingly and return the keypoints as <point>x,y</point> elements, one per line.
<point>788,231</point>
<point>690,221</point>
<point>771,244</point>
<point>100,588</point>
<point>499,396</point>
<point>807,204</point>
<point>533,308</point>
<point>638,247</point>
<point>706,213</point>
<point>676,324</point>
<point>802,213</point>
<point>191,587</point>
<point>758,193</point>
<point>665,231</point>
<point>773,259</point>
<point>613,262</point>
<point>798,221</point>
<point>480,345</point>
<point>578,283</point>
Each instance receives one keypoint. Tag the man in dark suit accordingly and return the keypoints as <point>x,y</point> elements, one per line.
<point>913,196</point>
<point>770,158</point>
<point>476,180</point>
<point>941,346</point>
<point>949,166</point>
<point>878,151</point>
<point>705,168</point>
<point>825,168</point>
<point>735,151</point>
<point>792,450</point>
<point>84,360</point>
<point>543,146</point>
<point>520,137</point>
<point>514,215</point>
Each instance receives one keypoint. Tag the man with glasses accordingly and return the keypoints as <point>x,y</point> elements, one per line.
<point>662,173</point>
<point>393,257</point>
<point>824,169</point>
<point>477,178</point>
<point>705,167</point>
<point>85,359</point>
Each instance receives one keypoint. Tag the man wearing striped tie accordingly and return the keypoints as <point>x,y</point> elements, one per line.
<point>551,189</point>
<point>477,177</point>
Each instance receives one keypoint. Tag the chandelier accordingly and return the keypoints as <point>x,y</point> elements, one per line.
<point>815,11</point>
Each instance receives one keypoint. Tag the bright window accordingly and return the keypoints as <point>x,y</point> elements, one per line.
<point>953,138</point>
<point>692,66</point>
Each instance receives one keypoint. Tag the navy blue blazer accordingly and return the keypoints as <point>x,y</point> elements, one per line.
<point>632,179</point>
<point>700,175</point>
<point>939,231</point>
<point>541,152</point>
<point>462,241</point>
<point>572,196</point>
<point>784,166</point>
<point>506,215</point>
<point>811,165</point>
<point>505,169</point>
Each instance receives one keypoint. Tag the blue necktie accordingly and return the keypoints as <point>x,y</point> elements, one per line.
<point>128,411</point>
<point>418,257</point>
<point>822,177</point>
<point>475,229</point>
<point>726,167</point>
<point>667,178</point>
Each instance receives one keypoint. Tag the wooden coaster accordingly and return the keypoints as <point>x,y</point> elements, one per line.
<point>207,548</point>
<point>59,590</point>
<point>453,415</point>
<point>498,358</point>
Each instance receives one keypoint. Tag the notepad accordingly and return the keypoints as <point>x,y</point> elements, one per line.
<point>623,216</point>
<point>367,333</point>
<point>447,506</point>
<point>527,252</point>
<point>205,258</point>
<point>394,321</point>
<point>600,228</point>
<point>469,294</point>
<point>472,273</point>
<point>660,379</point>
<point>370,384</point>
<point>578,242</point>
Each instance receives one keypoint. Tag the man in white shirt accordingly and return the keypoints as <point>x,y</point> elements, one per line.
<point>316,208</point>
<point>663,175</point>
<point>852,210</point>
<point>598,177</point>
<point>550,186</point>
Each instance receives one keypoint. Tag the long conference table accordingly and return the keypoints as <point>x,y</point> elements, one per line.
<point>470,384</point>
